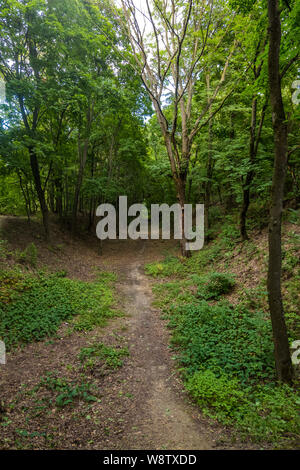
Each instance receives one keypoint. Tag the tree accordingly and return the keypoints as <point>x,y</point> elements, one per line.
<point>256,127</point>
<point>171,61</point>
<point>27,61</point>
<point>52,66</point>
<point>281,344</point>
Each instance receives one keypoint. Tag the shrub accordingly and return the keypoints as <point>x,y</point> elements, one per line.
<point>213,286</point>
<point>221,393</point>
<point>111,356</point>
<point>28,256</point>
<point>65,391</point>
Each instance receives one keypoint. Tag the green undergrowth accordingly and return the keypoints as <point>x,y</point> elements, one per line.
<point>113,357</point>
<point>33,306</point>
<point>65,392</point>
<point>213,286</point>
<point>225,351</point>
<point>201,261</point>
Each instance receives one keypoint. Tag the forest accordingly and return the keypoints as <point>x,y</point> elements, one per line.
<point>138,342</point>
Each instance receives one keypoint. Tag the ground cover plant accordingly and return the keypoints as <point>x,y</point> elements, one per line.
<point>35,305</point>
<point>224,350</point>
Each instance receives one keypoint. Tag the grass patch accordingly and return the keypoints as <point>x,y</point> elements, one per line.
<point>33,307</point>
<point>65,392</point>
<point>111,356</point>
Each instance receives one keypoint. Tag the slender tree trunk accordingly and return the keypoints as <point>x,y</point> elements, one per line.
<point>209,168</point>
<point>40,192</point>
<point>190,183</point>
<point>27,190</point>
<point>27,202</point>
<point>92,199</point>
<point>59,197</point>
<point>83,157</point>
<point>91,215</point>
<point>83,153</point>
<point>207,199</point>
<point>209,174</point>
<point>283,362</point>
<point>250,174</point>
<point>220,194</point>
<point>245,207</point>
<point>255,136</point>
<point>254,143</point>
<point>52,197</point>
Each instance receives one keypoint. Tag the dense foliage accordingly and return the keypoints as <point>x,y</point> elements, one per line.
<point>81,110</point>
<point>224,348</point>
<point>34,307</point>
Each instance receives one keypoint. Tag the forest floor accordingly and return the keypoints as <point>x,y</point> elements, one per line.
<point>141,405</point>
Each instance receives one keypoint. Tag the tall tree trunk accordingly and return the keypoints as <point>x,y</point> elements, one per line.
<point>254,142</point>
<point>253,149</point>
<point>82,153</point>
<point>283,362</point>
<point>179,178</point>
<point>209,168</point>
<point>51,198</point>
<point>40,191</point>
<point>190,180</point>
<point>82,157</point>
<point>92,198</point>
<point>59,196</point>
<point>245,207</point>
<point>209,174</point>
<point>207,197</point>
<point>27,190</point>
<point>250,174</point>
<point>25,195</point>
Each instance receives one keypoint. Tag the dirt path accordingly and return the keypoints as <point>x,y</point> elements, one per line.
<point>160,413</point>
